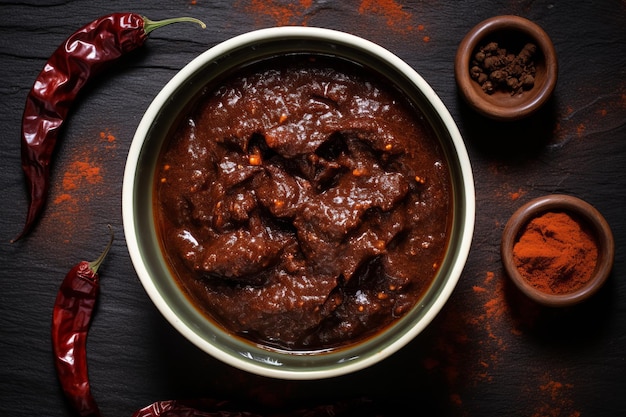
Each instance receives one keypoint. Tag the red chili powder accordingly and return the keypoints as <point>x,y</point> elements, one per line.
<point>78,174</point>
<point>555,253</point>
<point>80,182</point>
<point>294,13</point>
<point>580,129</point>
<point>282,13</point>
<point>580,120</point>
<point>473,338</point>
<point>494,311</point>
<point>396,17</point>
<point>554,398</point>
<point>108,136</point>
<point>516,194</point>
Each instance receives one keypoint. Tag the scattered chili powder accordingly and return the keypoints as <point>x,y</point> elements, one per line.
<point>456,399</point>
<point>81,181</point>
<point>552,387</point>
<point>474,336</point>
<point>396,17</point>
<point>516,194</point>
<point>491,319</point>
<point>282,13</point>
<point>108,136</point>
<point>554,398</point>
<point>555,253</point>
<point>80,171</point>
<point>597,113</point>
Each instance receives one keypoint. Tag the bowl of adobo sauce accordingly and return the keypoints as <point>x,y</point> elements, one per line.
<point>280,209</point>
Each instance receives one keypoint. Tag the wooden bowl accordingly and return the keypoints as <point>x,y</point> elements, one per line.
<point>511,33</point>
<point>586,215</point>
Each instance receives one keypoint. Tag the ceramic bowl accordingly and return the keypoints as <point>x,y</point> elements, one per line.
<point>511,33</point>
<point>140,230</point>
<point>581,211</point>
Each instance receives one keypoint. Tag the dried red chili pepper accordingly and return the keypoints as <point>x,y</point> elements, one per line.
<point>194,408</point>
<point>82,56</point>
<point>213,408</point>
<point>71,319</point>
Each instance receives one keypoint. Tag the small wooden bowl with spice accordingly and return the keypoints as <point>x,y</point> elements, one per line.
<point>506,68</point>
<point>558,250</point>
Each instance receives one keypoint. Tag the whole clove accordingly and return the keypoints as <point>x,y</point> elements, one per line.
<point>497,69</point>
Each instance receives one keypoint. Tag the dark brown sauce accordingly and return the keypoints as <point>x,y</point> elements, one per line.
<point>303,204</point>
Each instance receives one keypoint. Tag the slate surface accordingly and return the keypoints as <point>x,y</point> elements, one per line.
<point>489,352</point>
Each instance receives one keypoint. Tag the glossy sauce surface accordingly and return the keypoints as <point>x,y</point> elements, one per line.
<point>303,204</point>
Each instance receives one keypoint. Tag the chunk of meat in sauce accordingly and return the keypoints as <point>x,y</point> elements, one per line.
<point>244,254</point>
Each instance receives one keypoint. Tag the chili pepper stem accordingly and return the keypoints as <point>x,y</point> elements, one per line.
<point>150,25</point>
<point>96,264</point>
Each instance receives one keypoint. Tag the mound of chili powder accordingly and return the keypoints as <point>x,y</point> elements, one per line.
<point>556,254</point>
